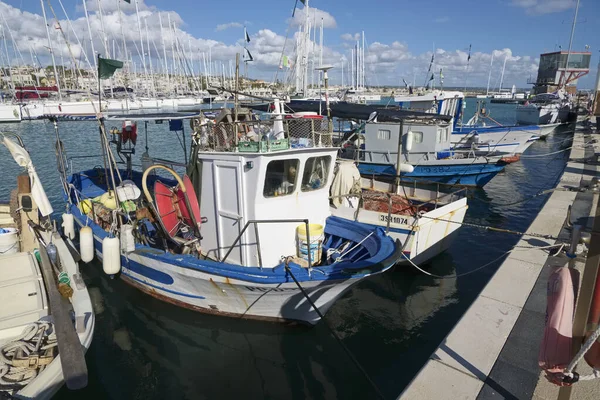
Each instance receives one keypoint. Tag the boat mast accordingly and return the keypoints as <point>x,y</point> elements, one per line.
<point>362,61</point>
<point>104,38</point>
<point>571,40</point>
<point>487,91</point>
<point>139,21</point>
<point>51,51</point>
<point>87,18</point>
<point>502,76</point>
<point>305,50</point>
<point>172,34</point>
<point>149,57</point>
<point>164,48</point>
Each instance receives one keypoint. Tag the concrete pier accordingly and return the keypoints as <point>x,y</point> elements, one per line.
<point>492,353</point>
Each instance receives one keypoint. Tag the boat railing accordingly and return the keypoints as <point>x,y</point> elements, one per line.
<point>262,136</point>
<point>255,222</point>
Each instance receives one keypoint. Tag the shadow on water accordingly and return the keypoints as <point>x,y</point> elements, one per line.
<point>146,349</point>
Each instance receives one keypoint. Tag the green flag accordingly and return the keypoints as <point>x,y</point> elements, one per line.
<point>107,67</point>
<point>286,62</point>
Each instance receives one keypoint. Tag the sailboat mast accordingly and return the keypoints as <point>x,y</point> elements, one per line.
<point>51,51</point>
<point>139,21</point>
<point>104,38</point>
<point>164,48</point>
<point>571,38</point>
<point>362,62</point>
<point>305,49</point>
<point>149,57</point>
<point>87,19</point>
<point>487,91</point>
<point>502,76</point>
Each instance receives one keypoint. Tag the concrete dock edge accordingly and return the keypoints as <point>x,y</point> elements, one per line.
<point>492,351</point>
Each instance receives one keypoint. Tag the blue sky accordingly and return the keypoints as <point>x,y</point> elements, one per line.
<point>400,34</point>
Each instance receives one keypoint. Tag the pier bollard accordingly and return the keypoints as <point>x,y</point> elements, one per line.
<point>575,236</point>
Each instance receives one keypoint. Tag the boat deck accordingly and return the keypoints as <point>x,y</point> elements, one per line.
<point>22,292</point>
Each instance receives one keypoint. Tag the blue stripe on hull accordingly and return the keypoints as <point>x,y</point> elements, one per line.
<point>463,174</point>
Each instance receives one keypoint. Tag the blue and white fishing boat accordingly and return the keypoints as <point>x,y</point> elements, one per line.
<point>483,140</point>
<point>423,218</point>
<point>246,232</point>
<point>421,150</point>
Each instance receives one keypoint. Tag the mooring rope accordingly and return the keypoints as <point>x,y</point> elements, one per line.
<point>335,335</point>
<point>491,228</point>
<point>484,265</point>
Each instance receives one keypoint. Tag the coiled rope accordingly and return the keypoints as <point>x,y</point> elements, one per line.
<point>25,347</point>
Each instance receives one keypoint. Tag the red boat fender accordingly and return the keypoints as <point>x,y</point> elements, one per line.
<point>129,132</point>
<point>511,159</point>
<point>555,351</point>
<point>592,357</point>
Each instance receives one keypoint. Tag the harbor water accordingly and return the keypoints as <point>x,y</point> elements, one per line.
<point>146,349</point>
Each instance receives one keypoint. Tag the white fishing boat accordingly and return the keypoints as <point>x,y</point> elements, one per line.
<point>10,112</point>
<point>424,221</point>
<point>543,109</point>
<point>263,187</point>
<point>84,109</point>
<point>42,341</point>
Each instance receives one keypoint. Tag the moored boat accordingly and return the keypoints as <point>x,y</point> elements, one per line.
<point>264,195</point>
<point>42,341</point>
<point>422,219</point>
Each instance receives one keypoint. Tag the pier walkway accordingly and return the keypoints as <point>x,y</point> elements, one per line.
<point>492,352</point>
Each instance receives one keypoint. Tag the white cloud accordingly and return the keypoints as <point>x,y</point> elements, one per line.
<point>386,63</point>
<point>222,27</point>
<point>442,19</point>
<point>315,15</point>
<point>350,37</point>
<point>537,7</point>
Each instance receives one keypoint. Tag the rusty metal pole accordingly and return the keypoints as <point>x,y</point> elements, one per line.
<point>584,299</point>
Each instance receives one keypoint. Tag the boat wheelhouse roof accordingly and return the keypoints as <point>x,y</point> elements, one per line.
<point>345,110</point>
<point>151,116</point>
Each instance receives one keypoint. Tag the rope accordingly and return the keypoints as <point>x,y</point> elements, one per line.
<point>335,335</point>
<point>585,145</point>
<point>24,349</point>
<point>484,265</point>
<point>491,228</point>
<point>584,349</point>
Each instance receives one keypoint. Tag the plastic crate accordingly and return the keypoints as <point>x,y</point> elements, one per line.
<point>264,146</point>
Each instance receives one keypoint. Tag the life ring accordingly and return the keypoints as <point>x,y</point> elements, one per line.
<point>173,205</point>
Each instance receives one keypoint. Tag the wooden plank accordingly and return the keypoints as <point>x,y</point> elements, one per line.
<point>70,349</point>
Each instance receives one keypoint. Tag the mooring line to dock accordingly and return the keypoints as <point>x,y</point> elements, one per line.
<point>582,146</point>
<point>484,265</point>
<point>335,335</point>
<point>491,228</point>
<point>542,193</point>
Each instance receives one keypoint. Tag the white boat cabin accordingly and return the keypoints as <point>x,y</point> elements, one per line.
<point>261,176</point>
<point>420,142</point>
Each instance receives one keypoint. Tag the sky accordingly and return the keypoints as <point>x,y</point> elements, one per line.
<point>400,35</point>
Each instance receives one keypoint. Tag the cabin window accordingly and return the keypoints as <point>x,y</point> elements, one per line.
<point>315,173</point>
<point>281,177</point>
<point>417,137</point>
<point>384,134</point>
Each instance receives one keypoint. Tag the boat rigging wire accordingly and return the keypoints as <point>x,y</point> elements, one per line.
<point>335,335</point>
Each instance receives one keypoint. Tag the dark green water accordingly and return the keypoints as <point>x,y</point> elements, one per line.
<point>146,349</point>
